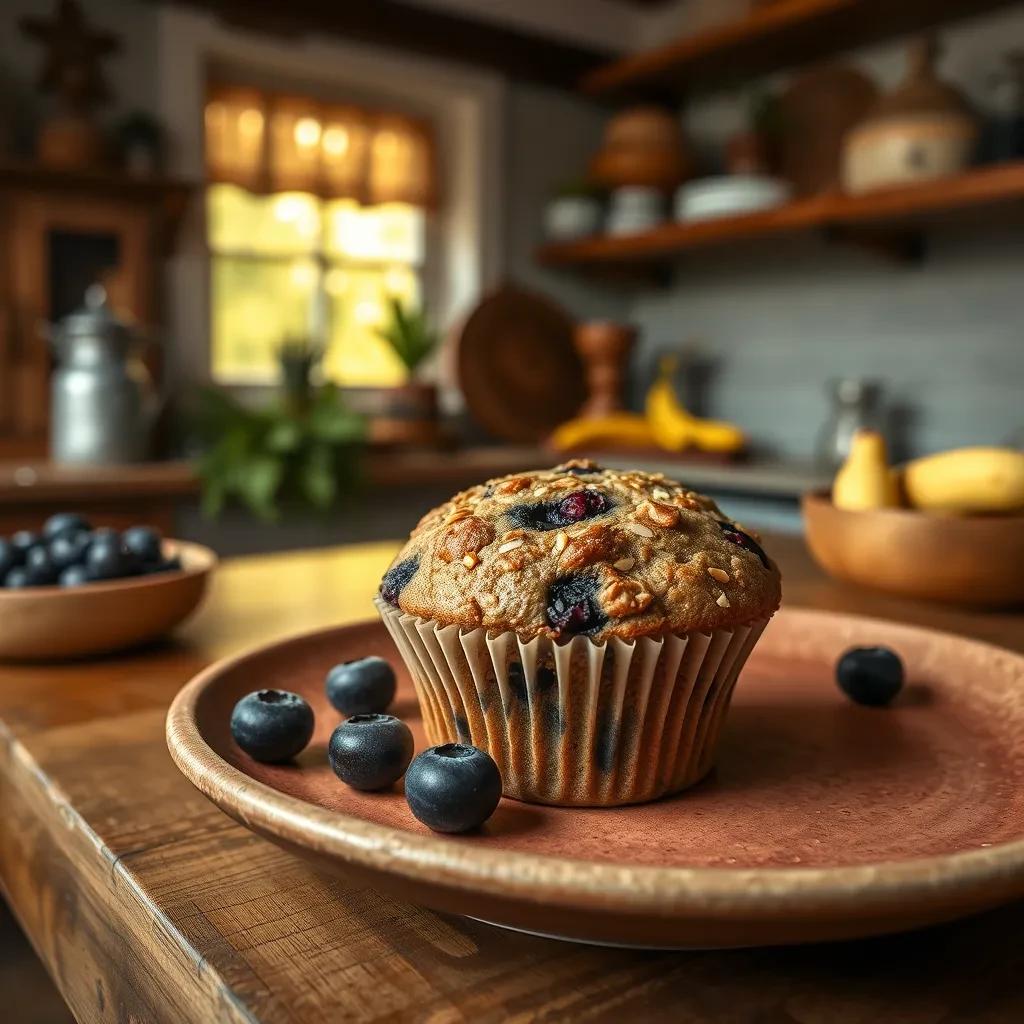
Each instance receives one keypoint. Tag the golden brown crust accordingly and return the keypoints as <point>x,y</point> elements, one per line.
<point>657,557</point>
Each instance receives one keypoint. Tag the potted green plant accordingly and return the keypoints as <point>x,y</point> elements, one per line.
<point>410,413</point>
<point>299,452</point>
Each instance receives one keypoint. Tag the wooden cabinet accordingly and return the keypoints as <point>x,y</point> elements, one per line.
<point>61,231</point>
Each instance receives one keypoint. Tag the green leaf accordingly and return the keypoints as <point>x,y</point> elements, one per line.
<point>317,477</point>
<point>284,436</point>
<point>409,334</point>
<point>256,481</point>
<point>330,421</point>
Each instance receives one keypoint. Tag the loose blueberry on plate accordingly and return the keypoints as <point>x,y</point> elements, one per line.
<point>272,725</point>
<point>39,567</point>
<point>65,523</point>
<point>370,752</point>
<point>362,687</point>
<point>870,675</point>
<point>453,788</point>
<point>17,578</point>
<point>144,543</point>
<point>74,576</point>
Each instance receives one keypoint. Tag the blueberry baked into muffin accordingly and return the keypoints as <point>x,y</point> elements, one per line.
<point>584,626</point>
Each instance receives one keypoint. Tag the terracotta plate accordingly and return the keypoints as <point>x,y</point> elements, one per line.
<point>49,623</point>
<point>823,820</point>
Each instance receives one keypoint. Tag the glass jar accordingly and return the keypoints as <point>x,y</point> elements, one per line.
<point>854,405</point>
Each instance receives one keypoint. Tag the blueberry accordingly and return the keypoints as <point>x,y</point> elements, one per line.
<point>272,725</point>
<point>362,687</point>
<point>144,543</point>
<point>74,576</point>
<point>107,558</point>
<point>17,578</point>
<point>39,567</point>
<point>870,675</point>
<point>64,523</point>
<point>572,605</point>
<point>23,541</point>
<point>552,515</point>
<point>370,751</point>
<point>9,557</point>
<point>172,564</point>
<point>453,788</point>
<point>396,579</point>
<point>735,535</point>
<point>68,549</point>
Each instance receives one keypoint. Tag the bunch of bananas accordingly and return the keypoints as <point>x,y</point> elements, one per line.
<point>964,481</point>
<point>665,424</point>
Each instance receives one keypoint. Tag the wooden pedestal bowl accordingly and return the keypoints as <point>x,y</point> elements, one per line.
<point>968,560</point>
<point>53,623</point>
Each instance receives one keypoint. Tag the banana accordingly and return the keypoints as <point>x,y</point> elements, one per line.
<point>675,428</point>
<point>864,480</point>
<point>967,480</point>
<point>625,429</point>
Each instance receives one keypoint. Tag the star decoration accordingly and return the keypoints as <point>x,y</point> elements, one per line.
<point>73,53</point>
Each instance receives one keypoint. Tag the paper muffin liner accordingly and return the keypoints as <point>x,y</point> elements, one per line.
<point>577,723</point>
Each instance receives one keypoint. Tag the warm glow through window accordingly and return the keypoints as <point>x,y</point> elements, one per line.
<point>292,264</point>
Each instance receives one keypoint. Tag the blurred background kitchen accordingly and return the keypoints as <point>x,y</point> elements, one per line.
<point>287,275</point>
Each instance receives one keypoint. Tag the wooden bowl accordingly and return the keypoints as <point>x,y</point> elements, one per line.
<point>51,623</point>
<point>822,820</point>
<point>967,560</point>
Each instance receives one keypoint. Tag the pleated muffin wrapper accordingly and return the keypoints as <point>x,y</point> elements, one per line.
<point>577,723</point>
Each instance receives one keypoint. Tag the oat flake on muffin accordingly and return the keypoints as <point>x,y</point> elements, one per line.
<point>583,550</point>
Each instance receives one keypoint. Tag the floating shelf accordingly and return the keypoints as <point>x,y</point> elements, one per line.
<point>771,37</point>
<point>890,211</point>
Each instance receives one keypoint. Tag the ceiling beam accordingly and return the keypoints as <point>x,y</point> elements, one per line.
<point>428,31</point>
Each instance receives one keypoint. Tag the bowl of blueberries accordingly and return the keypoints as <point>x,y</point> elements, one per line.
<point>73,590</point>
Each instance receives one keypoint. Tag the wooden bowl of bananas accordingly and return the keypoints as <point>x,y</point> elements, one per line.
<point>947,527</point>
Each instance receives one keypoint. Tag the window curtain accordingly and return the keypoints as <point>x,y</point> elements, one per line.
<point>277,142</point>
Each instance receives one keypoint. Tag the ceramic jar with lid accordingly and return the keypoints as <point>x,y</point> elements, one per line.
<point>922,130</point>
<point>642,146</point>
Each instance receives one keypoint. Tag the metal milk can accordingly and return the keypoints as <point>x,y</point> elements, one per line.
<point>103,404</point>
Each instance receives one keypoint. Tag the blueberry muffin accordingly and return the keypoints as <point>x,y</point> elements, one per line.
<point>585,626</point>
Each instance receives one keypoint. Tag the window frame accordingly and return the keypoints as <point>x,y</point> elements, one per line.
<point>465,237</point>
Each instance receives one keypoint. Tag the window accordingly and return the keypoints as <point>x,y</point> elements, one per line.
<point>291,263</point>
<point>315,217</point>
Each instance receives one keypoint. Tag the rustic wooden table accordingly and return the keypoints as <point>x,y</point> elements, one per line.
<point>147,904</point>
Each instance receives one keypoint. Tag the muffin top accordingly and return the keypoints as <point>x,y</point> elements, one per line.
<point>581,549</point>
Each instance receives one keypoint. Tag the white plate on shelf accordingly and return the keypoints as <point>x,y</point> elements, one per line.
<point>728,196</point>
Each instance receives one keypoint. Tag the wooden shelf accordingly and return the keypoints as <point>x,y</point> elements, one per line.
<point>893,210</point>
<point>100,180</point>
<point>769,38</point>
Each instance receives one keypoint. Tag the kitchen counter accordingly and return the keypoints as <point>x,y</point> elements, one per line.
<point>148,904</point>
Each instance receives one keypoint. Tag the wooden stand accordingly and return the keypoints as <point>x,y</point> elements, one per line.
<point>603,346</point>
